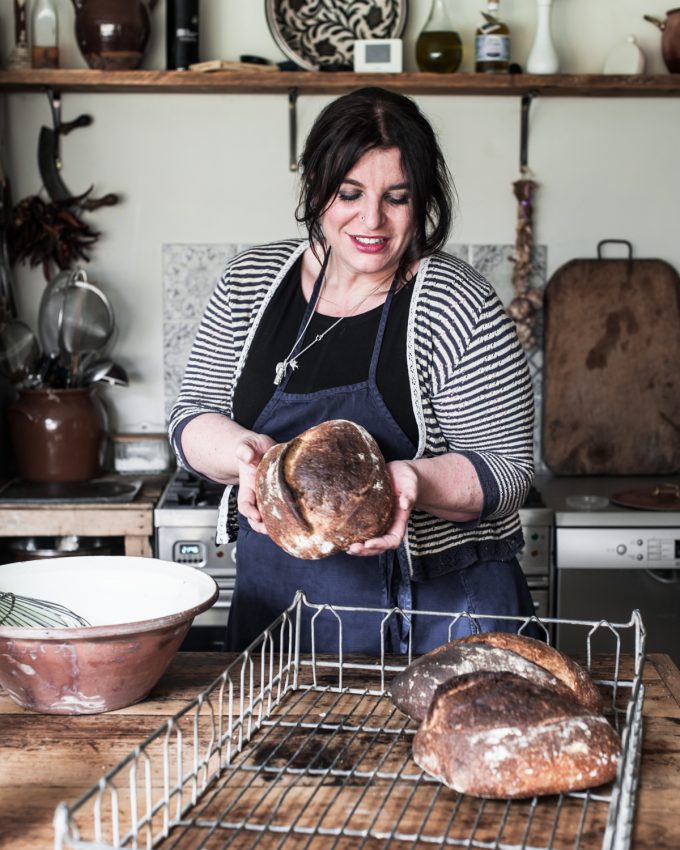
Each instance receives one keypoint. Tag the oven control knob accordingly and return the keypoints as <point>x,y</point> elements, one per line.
<point>621,549</point>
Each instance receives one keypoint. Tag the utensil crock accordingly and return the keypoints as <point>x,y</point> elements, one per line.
<point>56,435</point>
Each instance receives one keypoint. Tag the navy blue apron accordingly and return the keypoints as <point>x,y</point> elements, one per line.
<point>268,578</point>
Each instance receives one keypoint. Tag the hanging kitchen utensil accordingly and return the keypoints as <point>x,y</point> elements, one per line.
<point>51,305</point>
<point>7,301</point>
<point>86,322</point>
<point>611,388</point>
<point>49,158</point>
<point>19,351</point>
<point>525,307</point>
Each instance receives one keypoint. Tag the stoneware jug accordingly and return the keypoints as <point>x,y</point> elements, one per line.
<point>670,38</point>
<point>56,435</point>
<point>112,35</point>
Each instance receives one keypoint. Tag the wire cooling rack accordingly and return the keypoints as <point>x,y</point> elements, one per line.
<point>293,751</point>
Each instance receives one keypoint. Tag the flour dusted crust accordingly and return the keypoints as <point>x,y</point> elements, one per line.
<point>499,735</point>
<point>571,674</point>
<point>494,652</point>
<point>412,690</point>
<point>324,490</point>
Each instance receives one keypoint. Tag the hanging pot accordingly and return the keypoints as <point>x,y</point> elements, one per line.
<point>670,38</point>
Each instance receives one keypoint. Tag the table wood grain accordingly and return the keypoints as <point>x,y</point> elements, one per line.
<point>45,759</point>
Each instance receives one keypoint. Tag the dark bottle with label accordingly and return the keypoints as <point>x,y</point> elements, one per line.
<point>181,43</point>
<point>492,43</point>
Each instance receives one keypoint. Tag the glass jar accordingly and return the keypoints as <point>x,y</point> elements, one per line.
<point>439,48</point>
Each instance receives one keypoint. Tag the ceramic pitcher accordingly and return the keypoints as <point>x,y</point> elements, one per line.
<point>670,38</point>
<point>112,35</point>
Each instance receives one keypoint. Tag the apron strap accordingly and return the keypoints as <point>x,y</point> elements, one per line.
<point>373,370</point>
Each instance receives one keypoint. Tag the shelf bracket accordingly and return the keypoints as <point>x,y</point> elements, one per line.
<point>292,129</point>
<point>524,131</point>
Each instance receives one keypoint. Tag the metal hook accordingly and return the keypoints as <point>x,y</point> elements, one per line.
<point>49,157</point>
<point>292,129</point>
<point>524,131</point>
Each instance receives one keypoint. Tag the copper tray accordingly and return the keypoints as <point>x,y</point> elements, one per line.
<point>664,497</point>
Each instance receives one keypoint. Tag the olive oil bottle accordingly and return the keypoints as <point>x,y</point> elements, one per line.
<point>492,43</point>
<point>439,48</point>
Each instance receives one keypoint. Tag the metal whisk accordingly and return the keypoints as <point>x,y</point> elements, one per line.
<point>26,612</point>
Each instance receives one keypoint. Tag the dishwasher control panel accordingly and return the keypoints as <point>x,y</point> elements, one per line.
<point>618,548</point>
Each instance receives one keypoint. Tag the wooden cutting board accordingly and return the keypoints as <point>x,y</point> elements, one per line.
<point>611,392</point>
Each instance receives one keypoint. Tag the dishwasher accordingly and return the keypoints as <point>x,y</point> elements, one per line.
<point>611,559</point>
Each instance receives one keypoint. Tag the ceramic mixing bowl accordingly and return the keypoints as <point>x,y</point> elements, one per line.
<point>140,610</point>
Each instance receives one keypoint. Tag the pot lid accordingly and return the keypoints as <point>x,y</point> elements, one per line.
<point>663,497</point>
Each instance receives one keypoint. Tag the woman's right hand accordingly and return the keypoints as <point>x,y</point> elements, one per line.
<point>249,452</point>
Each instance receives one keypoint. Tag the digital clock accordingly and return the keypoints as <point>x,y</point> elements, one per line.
<point>378,55</point>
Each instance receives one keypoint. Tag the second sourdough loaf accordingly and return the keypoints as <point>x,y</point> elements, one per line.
<point>324,490</point>
<point>499,735</point>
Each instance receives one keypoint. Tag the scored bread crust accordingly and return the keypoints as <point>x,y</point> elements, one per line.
<point>324,490</point>
<point>574,677</point>
<point>501,736</point>
<point>412,690</point>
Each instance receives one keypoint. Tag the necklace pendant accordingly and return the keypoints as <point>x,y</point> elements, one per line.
<point>280,372</point>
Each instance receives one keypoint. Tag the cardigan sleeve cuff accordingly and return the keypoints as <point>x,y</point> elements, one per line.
<point>176,440</point>
<point>490,490</point>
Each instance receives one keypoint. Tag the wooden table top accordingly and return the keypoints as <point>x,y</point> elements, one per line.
<point>46,759</point>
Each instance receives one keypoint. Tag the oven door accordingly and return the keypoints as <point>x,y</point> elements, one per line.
<point>195,545</point>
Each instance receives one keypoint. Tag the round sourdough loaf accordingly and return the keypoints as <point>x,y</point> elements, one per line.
<point>324,490</point>
<point>565,669</point>
<point>494,652</point>
<point>498,735</point>
<point>412,690</point>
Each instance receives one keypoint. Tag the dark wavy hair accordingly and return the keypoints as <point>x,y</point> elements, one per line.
<point>364,120</point>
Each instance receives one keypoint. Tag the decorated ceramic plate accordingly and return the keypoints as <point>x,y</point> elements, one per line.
<point>318,34</point>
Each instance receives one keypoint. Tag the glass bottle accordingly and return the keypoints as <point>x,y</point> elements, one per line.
<point>44,35</point>
<point>439,48</point>
<point>492,43</point>
<point>181,34</point>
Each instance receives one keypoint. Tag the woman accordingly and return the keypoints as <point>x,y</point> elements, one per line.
<point>366,320</point>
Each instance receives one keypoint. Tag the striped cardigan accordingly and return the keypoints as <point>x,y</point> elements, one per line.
<point>470,389</point>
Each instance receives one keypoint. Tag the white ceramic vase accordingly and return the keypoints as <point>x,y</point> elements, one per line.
<point>543,58</point>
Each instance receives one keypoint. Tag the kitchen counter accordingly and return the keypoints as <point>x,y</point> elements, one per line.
<point>133,521</point>
<point>46,759</point>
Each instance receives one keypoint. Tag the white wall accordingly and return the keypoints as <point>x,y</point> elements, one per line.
<point>214,168</point>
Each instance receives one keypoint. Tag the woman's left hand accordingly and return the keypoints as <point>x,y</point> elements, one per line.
<point>405,486</point>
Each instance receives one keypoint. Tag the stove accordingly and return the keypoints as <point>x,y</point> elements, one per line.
<point>185,520</point>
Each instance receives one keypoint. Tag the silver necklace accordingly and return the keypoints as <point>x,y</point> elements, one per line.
<point>290,362</point>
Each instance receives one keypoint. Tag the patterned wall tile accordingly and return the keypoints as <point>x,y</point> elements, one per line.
<point>190,273</point>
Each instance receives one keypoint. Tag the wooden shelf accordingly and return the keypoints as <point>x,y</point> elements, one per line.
<point>272,82</point>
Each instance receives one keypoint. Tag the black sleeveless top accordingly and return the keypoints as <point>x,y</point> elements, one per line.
<point>342,357</point>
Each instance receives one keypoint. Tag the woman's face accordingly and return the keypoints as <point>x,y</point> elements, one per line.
<point>369,223</point>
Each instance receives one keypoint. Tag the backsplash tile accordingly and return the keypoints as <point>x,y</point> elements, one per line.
<point>190,273</point>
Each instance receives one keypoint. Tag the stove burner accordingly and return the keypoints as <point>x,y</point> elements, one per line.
<point>188,490</point>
